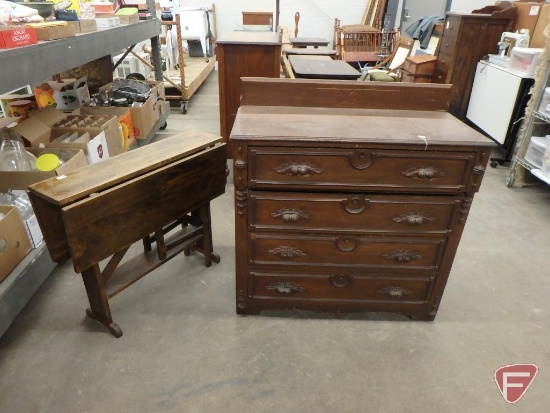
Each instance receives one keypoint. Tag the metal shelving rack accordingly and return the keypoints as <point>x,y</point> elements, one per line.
<point>29,64</point>
<point>535,124</point>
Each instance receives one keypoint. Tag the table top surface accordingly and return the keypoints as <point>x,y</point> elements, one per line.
<point>321,51</point>
<point>322,68</point>
<point>308,41</point>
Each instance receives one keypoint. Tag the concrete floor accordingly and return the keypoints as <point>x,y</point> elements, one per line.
<point>185,350</point>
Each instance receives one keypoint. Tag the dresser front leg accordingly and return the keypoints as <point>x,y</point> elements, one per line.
<point>99,303</point>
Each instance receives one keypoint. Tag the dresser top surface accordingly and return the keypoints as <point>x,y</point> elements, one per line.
<point>366,126</point>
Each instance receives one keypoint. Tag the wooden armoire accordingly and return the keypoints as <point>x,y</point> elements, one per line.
<point>466,39</point>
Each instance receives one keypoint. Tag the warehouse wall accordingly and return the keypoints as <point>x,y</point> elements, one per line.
<point>316,16</point>
<point>466,6</point>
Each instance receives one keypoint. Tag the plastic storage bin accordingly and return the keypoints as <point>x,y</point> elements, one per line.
<point>525,59</point>
<point>544,105</point>
<point>536,149</point>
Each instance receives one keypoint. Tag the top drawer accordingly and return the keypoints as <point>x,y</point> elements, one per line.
<point>361,169</point>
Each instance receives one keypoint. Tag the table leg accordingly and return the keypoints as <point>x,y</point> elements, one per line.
<point>206,243</point>
<point>97,296</point>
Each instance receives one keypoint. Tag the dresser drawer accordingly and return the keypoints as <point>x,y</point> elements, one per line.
<point>339,287</point>
<point>346,251</point>
<point>352,212</point>
<point>364,169</point>
<point>440,76</point>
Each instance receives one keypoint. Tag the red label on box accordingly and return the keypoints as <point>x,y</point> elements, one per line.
<point>19,36</point>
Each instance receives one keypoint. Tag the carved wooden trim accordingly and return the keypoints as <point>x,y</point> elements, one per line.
<point>241,193</point>
<point>290,214</point>
<point>241,197</point>
<point>360,159</point>
<point>402,256</point>
<point>414,218</point>
<point>355,205</point>
<point>298,169</point>
<point>287,252</point>
<point>394,291</point>
<point>435,306</point>
<point>346,244</point>
<point>479,170</point>
<point>424,172</point>
<point>464,209</point>
<point>285,287</point>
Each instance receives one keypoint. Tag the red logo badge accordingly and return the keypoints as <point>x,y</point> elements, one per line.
<point>513,380</point>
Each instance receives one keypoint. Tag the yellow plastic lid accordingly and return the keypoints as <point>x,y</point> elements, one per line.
<point>47,162</point>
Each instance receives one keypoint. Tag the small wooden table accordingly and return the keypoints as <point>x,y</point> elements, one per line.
<point>97,212</point>
<point>306,51</point>
<point>307,41</point>
<point>322,68</point>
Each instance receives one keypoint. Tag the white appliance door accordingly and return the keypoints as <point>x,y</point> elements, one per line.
<point>492,101</point>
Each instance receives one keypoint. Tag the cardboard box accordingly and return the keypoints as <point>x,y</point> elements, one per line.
<point>538,39</point>
<point>11,37</point>
<point>103,22</point>
<point>84,25</point>
<point>95,149</point>
<point>128,15</point>
<point>65,94</point>
<point>55,32</point>
<point>527,15</point>
<point>124,116</point>
<point>146,114</point>
<point>22,180</point>
<point>45,125</point>
<point>14,243</point>
<point>33,231</point>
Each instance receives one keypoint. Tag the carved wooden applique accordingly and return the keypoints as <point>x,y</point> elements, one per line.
<point>287,252</point>
<point>290,214</point>
<point>298,169</point>
<point>394,292</point>
<point>285,287</point>
<point>414,218</point>
<point>402,256</point>
<point>424,172</point>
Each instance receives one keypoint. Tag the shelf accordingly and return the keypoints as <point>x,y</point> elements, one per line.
<point>18,288</point>
<point>29,64</point>
<point>541,116</point>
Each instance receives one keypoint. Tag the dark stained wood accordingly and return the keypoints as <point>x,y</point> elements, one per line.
<point>344,94</point>
<point>89,218</point>
<point>99,176</point>
<point>348,209</point>
<point>466,39</point>
<point>258,17</point>
<point>304,51</point>
<point>322,69</point>
<point>308,41</point>
<point>243,54</point>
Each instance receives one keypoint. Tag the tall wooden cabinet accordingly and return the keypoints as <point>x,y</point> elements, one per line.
<point>254,54</point>
<point>466,39</point>
<point>355,206</point>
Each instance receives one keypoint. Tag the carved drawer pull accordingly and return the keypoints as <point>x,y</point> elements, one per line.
<point>290,214</point>
<point>298,169</point>
<point>355,205</point>
<point>414,218</point>
<point>360,159</point>
<point>395,292</point>
<point>424,172</point>
<point>402,256</point>
<point>287,253</point>
<point>285,288</point>
<point>340,281</point>
<point>346,244</point>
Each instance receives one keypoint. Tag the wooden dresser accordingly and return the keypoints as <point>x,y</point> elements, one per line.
<point>243,54</point>
<point>466,39</point>
<point>340,208</point>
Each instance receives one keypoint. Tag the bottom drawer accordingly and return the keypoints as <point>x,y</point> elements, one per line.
<point>339,287</point>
